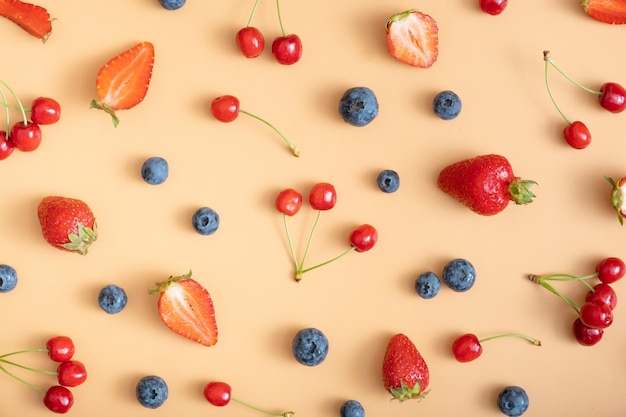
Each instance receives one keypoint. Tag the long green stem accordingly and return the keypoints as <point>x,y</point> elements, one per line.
<point>310,238</point>
<point>328,261</point>
<point>548,59</point>
<point>6,111</point>
<point>19,102</point>
<point>6,371</point>
<point>539,280</point>
<point>256,3</point>
<point>41,371</point>
<point>18,352</point>
<point>280,19</point>
<point>550,94</point>
<point>293,148</point>
<point>293,253</point>
<point>568,277</point>
<point>522,336</point>
<point>272,413</point>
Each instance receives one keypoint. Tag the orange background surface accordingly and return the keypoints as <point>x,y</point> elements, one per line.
<point>495,64</point>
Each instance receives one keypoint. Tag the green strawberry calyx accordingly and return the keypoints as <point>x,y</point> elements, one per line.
<point>164,285</point>
<point>80,242</point>
<point>617,198</point>
<point>404,392</point>
<point>519,191</point>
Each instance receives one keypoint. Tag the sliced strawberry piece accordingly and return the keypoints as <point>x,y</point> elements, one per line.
<point>606,11</point>
<point>185,306</point>
<point>123,82</point>
<point>30,17</point>
<point>618,197</point>
<point>413,38</point>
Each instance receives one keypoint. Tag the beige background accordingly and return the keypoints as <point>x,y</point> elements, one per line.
<point>495,65</point>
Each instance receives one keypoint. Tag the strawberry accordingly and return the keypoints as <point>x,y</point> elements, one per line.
<point>67,223</point>
<point>123,81</point>
<point>185,306</point>
<point>413,38</point>
<point>617,197</point>
<point>30,17</point>
<point>486,184</point>
<point>606,11</point>
<point>405,373</point>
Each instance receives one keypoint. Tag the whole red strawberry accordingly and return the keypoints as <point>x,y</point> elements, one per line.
<point>405,373</point>
<point>67,223</point>
<point>486,184</point>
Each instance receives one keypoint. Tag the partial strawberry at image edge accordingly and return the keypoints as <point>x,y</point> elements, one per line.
<point>30,17</point>
<point>612,12</point>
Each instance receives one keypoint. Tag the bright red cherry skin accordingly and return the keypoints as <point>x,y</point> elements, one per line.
<point>596,314</point>
<point>492,7</point>
<point>577,135</point>
<point>45,111</point>
<point>466,348</point>
<point>58,399</point>
<point>250,41</point>
<point>323,196</point>
<point>364,237</point>
<point>26,136</point>
<point>6,145</point>
<point>610,270</point>
<point>217,393</point>
<point>612,97</point>
<point>225,108</point>
<point>287,49</point>
<point>71,373</point>
<point>602,293</point>
<point>585,335</point>
<point>60,348</point>
<point>289,201</point>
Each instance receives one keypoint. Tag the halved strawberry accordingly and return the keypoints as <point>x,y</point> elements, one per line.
<point>186,307</point>
<point>123,82</point>
<point>618,197</point>
<point>30,17</point>
<point>606,11</point>
<point>413,38</point>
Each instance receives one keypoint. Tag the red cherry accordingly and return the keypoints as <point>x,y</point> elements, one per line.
<point>603,293</point>
<point>467,347</point>
<point>363,238</point>
<point>492,7</point>
<point>58,399</point>
<point>71,373</point>
<point>323,196</point>
<point>289,201</point>
<point>60,348</point>
<point>610,270</point>
<point>287,49</point>
<point>250,41</point>
<point>26,136</point>
<point>585,335</point>
<point>6,145</point>
<point>612,97</point>
<point>225,108</point>
<point>217,393</point>
<point>45,111</point>
<point>596,315</point>
<point>577,135</point>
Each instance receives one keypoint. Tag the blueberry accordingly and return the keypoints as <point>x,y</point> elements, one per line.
<point>358,106</point>
<point>8,278</point>
<point>310,346</point>
<point>205,220</point>
<point>172,4</point>
<point>388,181</point>
<point>151,391</point>
<point>112,299</point>
<point>459,274</point>
<point>427,285</point>
<point>447,105</point>
<point>513,401</point>
<point>155,170</point>
<point>352,408</point>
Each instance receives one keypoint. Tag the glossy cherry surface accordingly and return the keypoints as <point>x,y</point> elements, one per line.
<point>58,399</point>
<point>45,111</point>
<point>577,135</point>
<point>289,201</point>
<point>60,348</point>
<point>217,393</point>
<point>585,335</point>
<point>603,293</point>
<point>250,41</point>
<point>364,237</point>
<point>225,108</point>
<point>612,97</point>
<point>466,348</point>
<point>287,49</point>
<point>26,136</point>
<point>610,270</point>
<point>492,7</point>
<point>596,314</point>
<point>323,196</point>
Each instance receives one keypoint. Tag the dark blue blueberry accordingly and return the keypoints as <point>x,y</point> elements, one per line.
<point>358,106</point>
<point>459,274</point>
<point>427,285</point>
<point>155,170</point>
<point>513,401</point>
<point>172,4</point>
<point>151,391</point>
<point>352,408</point>
<point>8,278</point>
<point>205,220</point>
<point>112,299</point>
<point>447,105</point>
<point>388,181</point>
<point>310,346</point>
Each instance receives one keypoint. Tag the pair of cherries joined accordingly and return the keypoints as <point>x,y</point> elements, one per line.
<point>25,135</point>
<point>595,313</point>
<point>287,49</point>
<point>322,197</point>
<point>611,96</point>
<point>69,373</point>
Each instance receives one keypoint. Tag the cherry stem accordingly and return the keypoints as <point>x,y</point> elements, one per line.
<point>568,277</point>
<point>293,254</point>
<point>19,102</point>
<point>280,19</point>
<point>548,59</point>
<point>23,351</point>
<point>272,413</point>
<point>550,91</point>
<point>534,341</point>
<point>308,242</point>
<point>293,148</point>
<point>256,3</point>
<point>41,371</point>
<point>6,110</point>
<point>6,371</point>
<point>302,271</point>
<point>538,279</point>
